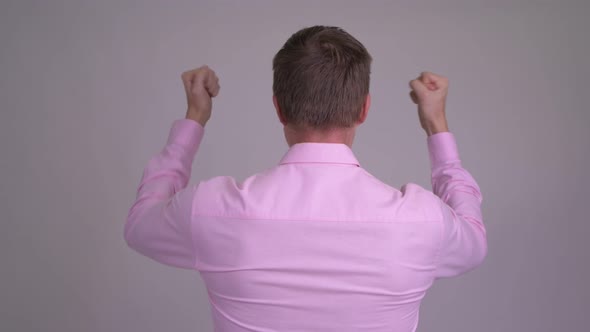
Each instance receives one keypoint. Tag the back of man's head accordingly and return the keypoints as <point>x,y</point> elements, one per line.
<point>321,78</point>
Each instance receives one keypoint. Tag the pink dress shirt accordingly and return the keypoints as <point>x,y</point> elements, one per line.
<point>315,243</point>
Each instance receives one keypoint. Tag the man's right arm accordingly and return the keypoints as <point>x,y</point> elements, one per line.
<point>463,242</point>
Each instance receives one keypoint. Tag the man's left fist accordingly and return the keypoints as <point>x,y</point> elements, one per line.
<point>201,85</point>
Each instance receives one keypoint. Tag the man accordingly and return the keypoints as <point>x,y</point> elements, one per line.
<point>315,243</point>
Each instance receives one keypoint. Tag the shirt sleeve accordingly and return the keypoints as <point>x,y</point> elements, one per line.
<point>159,222</point>
<point>464,242</point>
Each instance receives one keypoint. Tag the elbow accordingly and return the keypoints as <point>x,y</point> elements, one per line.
<point>475,259</point>
<point>129,236</point>
<point>132,230</point>
<point>479,243</point>
<point>481,251</point>
<point>477,253</point>
<point>465,258</point>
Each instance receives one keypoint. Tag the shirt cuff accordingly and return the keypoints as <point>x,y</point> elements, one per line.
<point>442,148</point>
<point>186,133</point>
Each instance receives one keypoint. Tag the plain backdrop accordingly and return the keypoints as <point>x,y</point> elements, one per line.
<point>89,90</point>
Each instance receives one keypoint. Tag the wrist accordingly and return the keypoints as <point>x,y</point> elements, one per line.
<point>201,119</point>
<point>436,127</point>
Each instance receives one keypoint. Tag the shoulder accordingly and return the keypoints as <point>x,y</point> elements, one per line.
<point>411,188</point>
<point>225,194</point>
<point>421,202</point>
<point>210,195</point>
<point>218,183</point>
<point>408,190</point>
<point>411,202</point>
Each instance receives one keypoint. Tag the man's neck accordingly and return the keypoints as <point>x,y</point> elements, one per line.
<point>336,135</point>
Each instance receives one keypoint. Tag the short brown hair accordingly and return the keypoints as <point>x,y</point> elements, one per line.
<point>321,78</point>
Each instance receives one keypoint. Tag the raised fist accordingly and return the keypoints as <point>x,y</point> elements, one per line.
<point>201,85</point>
<point>429,92</point>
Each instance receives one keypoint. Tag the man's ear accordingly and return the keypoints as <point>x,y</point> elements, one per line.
<point>278,109</point>
<point>365,110</point>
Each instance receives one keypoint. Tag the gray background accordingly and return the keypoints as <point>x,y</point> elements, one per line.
<point>89,90</point>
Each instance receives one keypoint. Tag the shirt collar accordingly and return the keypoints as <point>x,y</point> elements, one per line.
<point>326,153</point>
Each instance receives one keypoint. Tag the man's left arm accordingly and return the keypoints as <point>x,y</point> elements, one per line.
<point>159,223</point>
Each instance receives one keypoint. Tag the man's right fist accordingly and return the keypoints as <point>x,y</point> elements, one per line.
<point>429,92</point>
<point>200,85</point>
